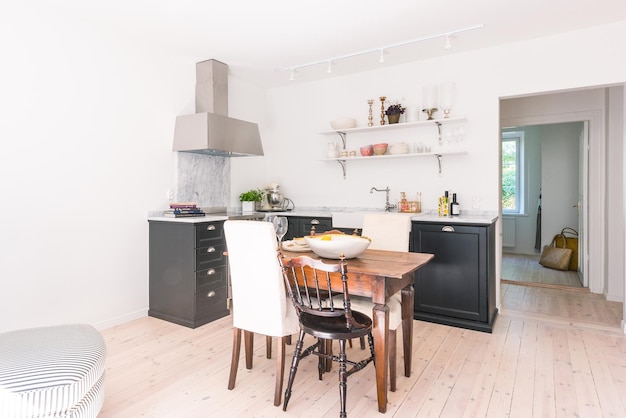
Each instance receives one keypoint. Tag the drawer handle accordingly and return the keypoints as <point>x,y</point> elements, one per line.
<point>210,228</point>
<point>315,222</point>
<point>210,272</point>
<point>211,294</point>
<point>210,250</point>
<point>447,229</point>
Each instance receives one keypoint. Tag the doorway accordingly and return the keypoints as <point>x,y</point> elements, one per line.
<point>573,106</point>
<point>542,187</point>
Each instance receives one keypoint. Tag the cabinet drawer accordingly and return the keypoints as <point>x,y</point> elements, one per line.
<point>211,279</point>
<point>320,224</point>
<point>211,301</point>
<point>208,232</point>
<point>210,256</point>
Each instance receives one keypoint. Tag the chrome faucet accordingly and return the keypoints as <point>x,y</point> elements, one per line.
<point>388,206</point>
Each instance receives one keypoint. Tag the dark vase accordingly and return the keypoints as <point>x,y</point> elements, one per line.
<point>393,118</point>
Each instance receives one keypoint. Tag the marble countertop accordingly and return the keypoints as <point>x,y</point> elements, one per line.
<point>465,218</point>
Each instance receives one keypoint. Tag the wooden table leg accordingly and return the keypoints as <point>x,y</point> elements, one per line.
<point>380,333</point>
<point>408,301</point>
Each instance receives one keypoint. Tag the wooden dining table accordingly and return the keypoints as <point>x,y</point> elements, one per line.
<point>379,274</point>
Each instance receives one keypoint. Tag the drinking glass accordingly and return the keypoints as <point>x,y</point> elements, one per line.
<point>281,225</point>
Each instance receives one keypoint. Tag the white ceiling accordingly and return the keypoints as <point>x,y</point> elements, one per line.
<point>259,38</point>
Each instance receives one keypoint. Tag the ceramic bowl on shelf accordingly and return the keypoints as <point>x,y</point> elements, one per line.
<point>343,123</point>
<point>379,149</point>
<point>367,150</point>
<point>333,245</point>
<point>399,148</point>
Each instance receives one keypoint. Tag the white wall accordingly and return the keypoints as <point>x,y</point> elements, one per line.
<point>586,58</point>
<point>87,121</point>
<point>86,127</point>
<point>615,198</point>
<point>301,111</point>
<point>559,150</point>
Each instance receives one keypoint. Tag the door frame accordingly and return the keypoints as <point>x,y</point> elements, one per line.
<point>594,247</point>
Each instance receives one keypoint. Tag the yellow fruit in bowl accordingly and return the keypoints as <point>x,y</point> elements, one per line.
<point>326,238</point>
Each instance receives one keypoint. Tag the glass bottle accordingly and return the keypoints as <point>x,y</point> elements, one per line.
<point>455,209</point>
<point>404,204</point>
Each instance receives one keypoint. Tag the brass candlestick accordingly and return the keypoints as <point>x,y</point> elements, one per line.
<point>430,112</point>
<point>370,118</point>
<point>382,109</point>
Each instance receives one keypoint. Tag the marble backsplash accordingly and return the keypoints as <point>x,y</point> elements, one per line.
<point>204,179</point>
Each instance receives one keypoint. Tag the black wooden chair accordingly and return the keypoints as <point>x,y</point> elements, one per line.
<point>307,280</point>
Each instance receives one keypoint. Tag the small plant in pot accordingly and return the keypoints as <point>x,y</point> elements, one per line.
<point>394,111</point>
<point>249,199</point>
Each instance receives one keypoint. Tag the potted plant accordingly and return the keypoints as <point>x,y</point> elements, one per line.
<point>249,199</point>
<point>394,111</point>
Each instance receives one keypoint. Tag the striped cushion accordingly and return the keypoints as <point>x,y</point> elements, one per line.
<point>53,371</point>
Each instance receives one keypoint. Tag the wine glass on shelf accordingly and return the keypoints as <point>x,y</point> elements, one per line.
<point>446,97</point>
<point>281,225</point>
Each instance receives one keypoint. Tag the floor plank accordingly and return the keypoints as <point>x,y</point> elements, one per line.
<point>526,268</point>
<point>552,353</point>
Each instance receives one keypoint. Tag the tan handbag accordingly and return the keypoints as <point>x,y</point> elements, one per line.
<point>556,257</point>
<point>569,238</point>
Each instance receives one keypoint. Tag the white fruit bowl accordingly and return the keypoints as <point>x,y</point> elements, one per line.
<point>343,123</point>
<point>333,245</point>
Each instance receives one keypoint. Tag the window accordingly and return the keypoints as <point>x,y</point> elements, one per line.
<point>512,172</point>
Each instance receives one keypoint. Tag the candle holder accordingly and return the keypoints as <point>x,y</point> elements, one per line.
<point>382,109</point>
<point>370,118</point>
<point>430,112</point>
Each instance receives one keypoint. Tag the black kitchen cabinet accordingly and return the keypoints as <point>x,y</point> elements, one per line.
<point>300,226</point>
<point>188,278</point>
<point>458,287</point>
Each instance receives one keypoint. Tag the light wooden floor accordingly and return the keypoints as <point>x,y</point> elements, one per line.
<point>526,268</point>
<point>552,354</point>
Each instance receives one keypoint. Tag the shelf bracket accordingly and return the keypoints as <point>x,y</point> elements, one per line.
<point>438,156</point>
<point>342,163</point>
<point>439,130</point>
<point>343,140</point>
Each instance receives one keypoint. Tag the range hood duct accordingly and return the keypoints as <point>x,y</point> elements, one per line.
<point>210,130</point>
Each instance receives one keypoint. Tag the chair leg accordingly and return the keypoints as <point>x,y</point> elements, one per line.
<point>280,370</point>
<point>329,351</point>
<point>268,346</point>
<point>392,359</point>
<point>248,338</point>
<point>234,362</point>
<point>294,368</point>
<point>362,340</point>
<point>343,378</point>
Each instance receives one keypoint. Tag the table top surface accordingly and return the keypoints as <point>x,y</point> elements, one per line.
<point>394,264</point>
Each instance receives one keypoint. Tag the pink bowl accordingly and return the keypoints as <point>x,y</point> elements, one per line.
<point>367,151</point>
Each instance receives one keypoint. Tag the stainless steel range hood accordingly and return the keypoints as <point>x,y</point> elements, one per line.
<point>210,130</point>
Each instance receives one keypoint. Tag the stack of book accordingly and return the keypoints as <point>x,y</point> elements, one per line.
<point>182,210</point>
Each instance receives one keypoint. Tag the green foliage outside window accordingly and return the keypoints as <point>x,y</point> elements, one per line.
<point>509,175</point>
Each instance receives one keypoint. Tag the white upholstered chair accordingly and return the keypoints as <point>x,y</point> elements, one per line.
<point>260,302</point>
<point>390,232</point>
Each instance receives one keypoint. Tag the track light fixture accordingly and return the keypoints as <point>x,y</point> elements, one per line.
<point>380,50</point>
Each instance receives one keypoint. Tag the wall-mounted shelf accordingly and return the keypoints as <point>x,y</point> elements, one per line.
<point>396,126</point>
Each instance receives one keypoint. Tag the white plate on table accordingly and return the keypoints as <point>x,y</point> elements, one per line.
<point>295,246</point>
